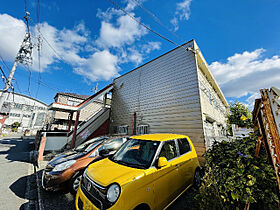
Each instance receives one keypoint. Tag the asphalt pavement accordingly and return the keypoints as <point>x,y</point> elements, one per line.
<point>18,188</point>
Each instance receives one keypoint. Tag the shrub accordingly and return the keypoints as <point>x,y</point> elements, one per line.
<point>15,126</point>
<point>233,176</point>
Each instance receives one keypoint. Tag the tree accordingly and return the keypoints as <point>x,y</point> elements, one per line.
<point>239,115</point>
<point>15,126</point>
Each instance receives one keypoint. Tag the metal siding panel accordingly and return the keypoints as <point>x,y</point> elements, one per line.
<point>164,94</point>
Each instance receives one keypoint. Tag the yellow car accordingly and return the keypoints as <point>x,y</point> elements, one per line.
<point>148,172</point>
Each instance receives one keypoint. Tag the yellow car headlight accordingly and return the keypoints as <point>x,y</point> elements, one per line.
<point>113,193</point>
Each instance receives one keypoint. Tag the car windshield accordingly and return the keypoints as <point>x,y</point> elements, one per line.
<point>136,153</point>
<point>113,144</point>
<point>89,145</point>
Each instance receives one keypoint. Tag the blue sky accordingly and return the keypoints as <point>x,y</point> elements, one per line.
<point>94,42</point>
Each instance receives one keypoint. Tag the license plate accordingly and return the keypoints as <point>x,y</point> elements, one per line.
<point>87,206</point>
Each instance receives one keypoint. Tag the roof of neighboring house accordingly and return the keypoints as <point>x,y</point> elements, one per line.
<point>73,95</point>
<point>19,94</point>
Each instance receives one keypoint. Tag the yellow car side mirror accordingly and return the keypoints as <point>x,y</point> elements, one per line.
<point>162,161</point>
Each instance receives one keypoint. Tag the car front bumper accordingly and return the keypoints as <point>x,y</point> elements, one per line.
<point>51,182</point>
<point>82,202</point>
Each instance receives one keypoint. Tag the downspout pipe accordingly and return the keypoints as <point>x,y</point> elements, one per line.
<point>134,123</point>
<point>75,130</point>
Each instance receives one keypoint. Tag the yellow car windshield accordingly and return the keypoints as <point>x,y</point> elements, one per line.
<point>136,153</point>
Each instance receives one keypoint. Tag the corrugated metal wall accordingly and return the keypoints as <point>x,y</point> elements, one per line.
<point>165,96</point>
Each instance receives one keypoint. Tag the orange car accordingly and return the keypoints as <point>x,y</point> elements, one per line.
<point>64,172</point>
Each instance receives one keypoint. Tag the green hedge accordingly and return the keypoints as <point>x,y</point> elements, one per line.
<point>234,175</point>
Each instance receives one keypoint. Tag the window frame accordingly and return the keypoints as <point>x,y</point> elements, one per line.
<point>140,128</point>
<point>160,147</point>
<point>125,127</point>
<point>178,148</point>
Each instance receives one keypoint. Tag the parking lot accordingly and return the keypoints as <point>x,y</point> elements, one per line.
<point>65,200</point>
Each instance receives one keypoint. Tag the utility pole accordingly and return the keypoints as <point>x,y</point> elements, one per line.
<point>23,56</point>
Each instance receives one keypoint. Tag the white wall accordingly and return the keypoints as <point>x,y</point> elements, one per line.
<point>25,110</point>
<point>213,110</point>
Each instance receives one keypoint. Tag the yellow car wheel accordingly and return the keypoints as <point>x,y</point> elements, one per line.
<point>142,207</point>
<point>197,179</point>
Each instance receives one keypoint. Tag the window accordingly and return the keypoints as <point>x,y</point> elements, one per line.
<point>14,115</point>
<point>215,102</point>
<point>72,102</point>
<point>220,130</point>
<point>123,129</point>
<point>40,119</point>
<point>113,144</point>
<point>142,129</point>
<point>18,106</point>
<point>168,150</point>
<point>136,153</point>
<point>209,97</point>
<point>28,107</point>
<point>184,146</point>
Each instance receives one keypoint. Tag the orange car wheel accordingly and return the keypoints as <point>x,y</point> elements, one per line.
<point>74,182</point>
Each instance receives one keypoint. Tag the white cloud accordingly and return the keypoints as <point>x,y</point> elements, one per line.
<point>97,59</point>
<point>12,33</point>
<point>134,56</point>
<point>182,12</point>
<point>102,65</point>
<point>108,14</point>
<point>66,43</point>
<point>246,73</point>
<point>150,46</point>
<point>130,5</point>
<point>60,45</point>
<point>251,100</point>
<point>125,32</point>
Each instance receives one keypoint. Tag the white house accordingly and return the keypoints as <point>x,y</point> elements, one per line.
<point>28,111</point>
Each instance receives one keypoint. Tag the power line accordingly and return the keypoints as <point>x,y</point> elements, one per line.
<point>17,86</point>
<point>157,19</point>
<point>29,80</point>
<point>142,24</point>
<point>39,47</point>
<point>3,73</point>
<point>6,76</point>
<point>4,63</point>
<point>41,82</point>
<point>57,54</point>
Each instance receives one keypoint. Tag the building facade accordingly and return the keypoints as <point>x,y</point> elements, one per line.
<point>59,119</point>
<point>29,112</point>
<point>174,93</point>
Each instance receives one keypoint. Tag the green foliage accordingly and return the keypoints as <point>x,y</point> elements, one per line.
<point>234,175</point>
<point>15,126</point>
<point>240,115</point>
